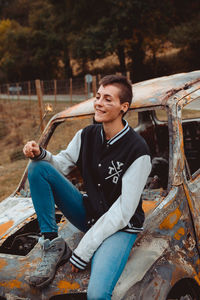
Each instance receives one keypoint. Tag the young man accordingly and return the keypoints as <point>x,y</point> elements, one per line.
<point>114,162</point>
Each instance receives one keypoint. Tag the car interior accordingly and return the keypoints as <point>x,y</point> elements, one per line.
<point>191,136</point>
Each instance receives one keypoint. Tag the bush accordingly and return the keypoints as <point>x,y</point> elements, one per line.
<point>16,155</point>
<point>3,129</point>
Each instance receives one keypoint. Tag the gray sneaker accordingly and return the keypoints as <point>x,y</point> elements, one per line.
<point>54,254</point>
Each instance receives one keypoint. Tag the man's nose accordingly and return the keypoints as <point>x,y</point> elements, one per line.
<point>99,101</point>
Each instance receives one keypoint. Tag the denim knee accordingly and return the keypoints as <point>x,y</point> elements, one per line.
<point>94,293</point>
<point>34,169</point>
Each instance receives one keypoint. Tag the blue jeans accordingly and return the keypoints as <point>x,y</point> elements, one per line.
<point>49,187</point>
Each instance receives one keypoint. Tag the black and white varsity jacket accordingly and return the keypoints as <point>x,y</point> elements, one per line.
<point>114,174</point>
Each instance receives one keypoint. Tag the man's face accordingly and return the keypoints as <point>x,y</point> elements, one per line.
<point>107,104</point>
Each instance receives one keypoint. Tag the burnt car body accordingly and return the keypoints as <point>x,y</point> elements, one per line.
<point>165,260</point>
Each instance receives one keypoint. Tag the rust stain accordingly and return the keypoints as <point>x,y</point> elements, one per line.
<point>180,232</point>
<point>198,261</point>
<point>171,220</point>
<point>177,274</point>
<point>188,198</point>
<point>3,263</point>
<point>197,279</point>
<point>5,226</point>
<point>65,286</point>
<point>148,205</point>
<point>12,284</point>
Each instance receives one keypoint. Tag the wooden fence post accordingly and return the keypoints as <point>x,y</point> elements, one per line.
<point>70,90</point>
<point>86,88</point>
<point>94,85</point>
<point>42,86</point>
<point>29,92</point>
<point>8,91</point>
<point>17,86</point>
<point>128,75</point>
<point>98,78</point>
<point>40,102</point>
<point>55,91</point>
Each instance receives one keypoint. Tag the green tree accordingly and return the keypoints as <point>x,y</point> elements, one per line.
<point>187,37</point>
<point>45,43</point>
<point>32,51</point>
<point>17,10</point>
<point>104,33</point>
<point>62,12</point>
<point>41,35</point>
<point>124,28</point>
<point>13,49</point>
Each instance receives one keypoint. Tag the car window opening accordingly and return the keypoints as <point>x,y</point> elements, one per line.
<point>23,240</point>
<point>191,136</point>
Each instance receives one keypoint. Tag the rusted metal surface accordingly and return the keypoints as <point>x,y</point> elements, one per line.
<point>165,261</point>
<point>152,92</point>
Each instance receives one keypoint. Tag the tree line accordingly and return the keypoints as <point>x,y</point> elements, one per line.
<point>41,38</point>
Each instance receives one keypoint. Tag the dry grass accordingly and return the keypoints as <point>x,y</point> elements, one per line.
<point>19,122</point>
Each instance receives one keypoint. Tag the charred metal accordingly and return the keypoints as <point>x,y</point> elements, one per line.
<point>165,261</point>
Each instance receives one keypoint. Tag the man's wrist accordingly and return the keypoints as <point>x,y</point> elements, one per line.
<point>41,155</point>
<point>77,262</point>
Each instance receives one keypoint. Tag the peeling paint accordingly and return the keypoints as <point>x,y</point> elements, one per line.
<point>5,226</point>
<point>149,205</point>
<point>66,286</point>
<point>171,220</point>
<point>197,278</point>
<point>3,263</point>
<point>12,284</point>
<point>180,232</point>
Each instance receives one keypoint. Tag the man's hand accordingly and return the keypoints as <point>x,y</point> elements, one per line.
<point>74,269</point>
<point>31,149</point>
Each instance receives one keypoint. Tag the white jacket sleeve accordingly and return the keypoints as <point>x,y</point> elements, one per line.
<point>120,213</point>
<point>66,159</point>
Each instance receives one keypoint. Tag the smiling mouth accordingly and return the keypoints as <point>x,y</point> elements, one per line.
<point>100,111</point>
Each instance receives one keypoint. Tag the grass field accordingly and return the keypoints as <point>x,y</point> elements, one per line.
<point>19,123</point>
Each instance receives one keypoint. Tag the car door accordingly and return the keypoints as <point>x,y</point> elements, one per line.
<point>191,141</point>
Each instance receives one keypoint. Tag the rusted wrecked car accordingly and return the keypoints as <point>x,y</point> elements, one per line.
<point>165,260</point>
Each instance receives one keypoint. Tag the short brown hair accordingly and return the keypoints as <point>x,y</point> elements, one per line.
<point>125,86</point>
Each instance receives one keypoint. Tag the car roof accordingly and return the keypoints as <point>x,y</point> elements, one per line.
<point>148,93</point>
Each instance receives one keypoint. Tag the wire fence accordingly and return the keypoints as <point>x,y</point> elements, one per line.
<point>32,103</point>
<point>70,90</point>
<point>73,90</point>
<point>60,93</point>
<point>26,107</point>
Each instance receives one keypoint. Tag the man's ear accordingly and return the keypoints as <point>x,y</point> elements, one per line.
<point>125,107</point>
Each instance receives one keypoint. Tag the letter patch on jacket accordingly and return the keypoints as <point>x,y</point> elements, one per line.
<point>114,171</point>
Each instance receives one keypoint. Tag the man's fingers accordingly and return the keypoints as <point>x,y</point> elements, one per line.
<point>74,269</point>
<point>31,149</point>
<point>33,143</point>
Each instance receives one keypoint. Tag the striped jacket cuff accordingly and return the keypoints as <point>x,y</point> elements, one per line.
<point>42,155</point>
<point>132,229</point>
<point>78,262</point>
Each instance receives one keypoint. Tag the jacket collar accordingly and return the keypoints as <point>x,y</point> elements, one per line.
<point>118,136</point>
